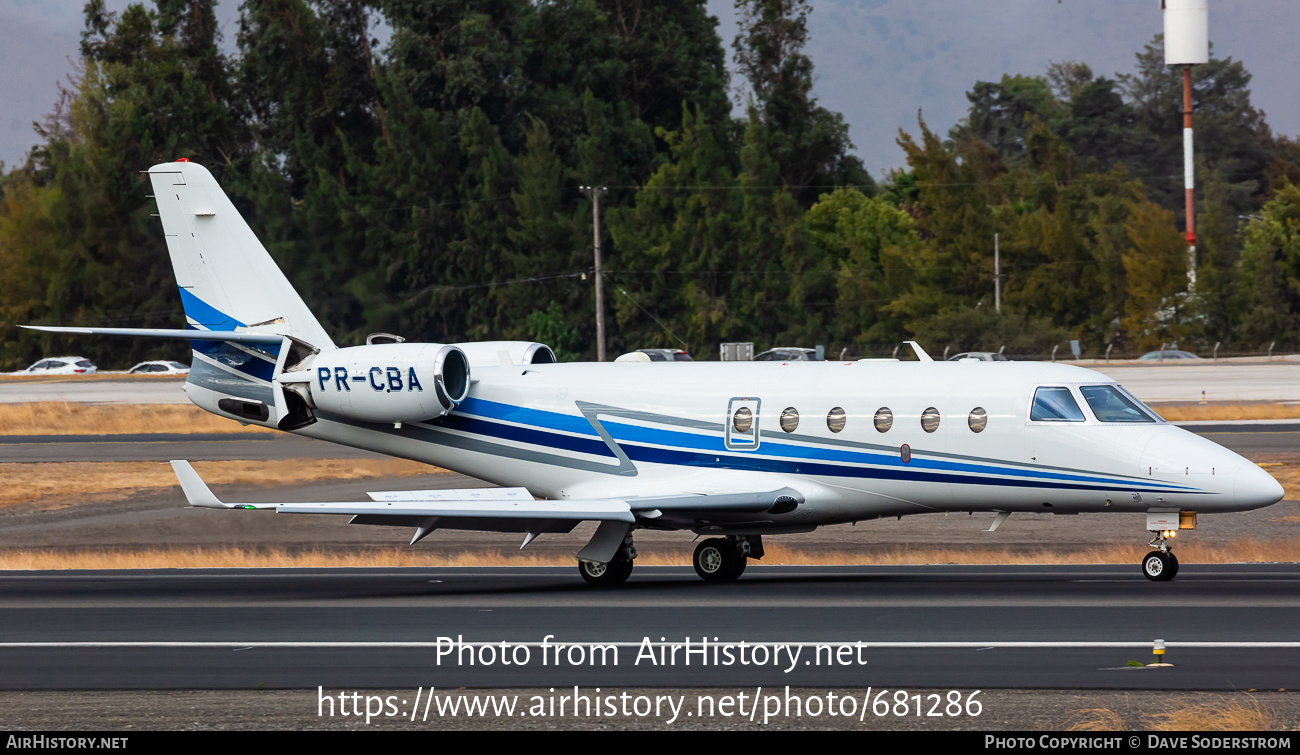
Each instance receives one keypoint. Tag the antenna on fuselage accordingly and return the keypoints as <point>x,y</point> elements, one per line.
<point>921,356</point>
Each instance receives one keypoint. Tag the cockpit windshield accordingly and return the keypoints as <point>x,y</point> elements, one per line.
<point>1111,404</point>
<point>1055,404</point>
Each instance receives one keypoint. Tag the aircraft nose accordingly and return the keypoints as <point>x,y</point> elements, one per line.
<point>1255,488</point>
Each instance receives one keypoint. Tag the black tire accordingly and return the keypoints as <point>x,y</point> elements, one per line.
<point>717,560</point>
<point>1173,566</point>
<point>1156,567</point>
<point>613,573</point>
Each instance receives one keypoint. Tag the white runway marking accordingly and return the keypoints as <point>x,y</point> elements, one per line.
<point>533,643</point>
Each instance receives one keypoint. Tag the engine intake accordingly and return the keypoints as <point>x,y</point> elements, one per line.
<point>498,353</point>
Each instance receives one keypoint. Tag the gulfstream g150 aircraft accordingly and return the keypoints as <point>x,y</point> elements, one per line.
<point>731,451</point>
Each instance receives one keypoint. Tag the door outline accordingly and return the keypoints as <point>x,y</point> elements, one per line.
<point>736,440</point>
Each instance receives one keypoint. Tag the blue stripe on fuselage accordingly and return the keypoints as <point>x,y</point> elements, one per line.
<point>692,449</point>
<point>465,424</point>
<point>228,355</point>
<point>221,352</point>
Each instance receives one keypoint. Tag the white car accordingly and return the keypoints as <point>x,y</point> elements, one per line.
<point>160,368</point>
<point>983,356</point>
<point>62,366</point>
<point>787,354</point>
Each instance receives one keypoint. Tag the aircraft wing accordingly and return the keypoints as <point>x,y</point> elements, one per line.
<point>505,510</point>
<point>488,503</point>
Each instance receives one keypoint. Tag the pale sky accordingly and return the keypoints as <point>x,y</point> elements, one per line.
<point>878,61</point>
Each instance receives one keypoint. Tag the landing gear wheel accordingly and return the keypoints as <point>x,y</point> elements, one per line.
<point>1159,566</point>
<point>717,560</point>
<point>613,573</point>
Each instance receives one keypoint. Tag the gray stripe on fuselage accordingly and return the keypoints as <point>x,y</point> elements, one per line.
<point>625,468</point>
<point>662,419</point>
<point>423,433</point>
<point>432,434</point>
<point>717,427</point>
<point>205,375</point>
<point>781,435</point>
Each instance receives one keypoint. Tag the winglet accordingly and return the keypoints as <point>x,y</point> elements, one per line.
<point>920,352</point>
<point>195,489</point>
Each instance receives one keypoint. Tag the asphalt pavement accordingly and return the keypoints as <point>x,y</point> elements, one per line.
<point>1226,627</point>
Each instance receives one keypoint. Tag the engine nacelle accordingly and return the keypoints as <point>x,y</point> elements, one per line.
<point>495,353</point>
<point>392,382</point>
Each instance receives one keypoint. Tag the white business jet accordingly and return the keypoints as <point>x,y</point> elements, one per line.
<point>730,451</point>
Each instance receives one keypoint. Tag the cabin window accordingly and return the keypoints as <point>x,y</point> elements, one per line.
<point>930,420</point>
<point>884,419</point>
<point>978,419</point>
<point>790,419</point>
<point>1109,405</point>
<point>742,420</point>
<point>836,419</point>
<point>1055,404</point>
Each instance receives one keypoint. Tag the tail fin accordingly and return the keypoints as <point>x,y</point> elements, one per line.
<point>227,280</point>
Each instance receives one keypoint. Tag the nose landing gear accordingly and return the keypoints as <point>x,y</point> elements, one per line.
<point>1160,565</point>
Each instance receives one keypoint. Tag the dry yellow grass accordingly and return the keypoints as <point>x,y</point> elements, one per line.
<point>1095,719</point>
<point>66,483</point>
<point>68,418</point>
<point>1190,412</point>
<point>1228,715</point>
<point>1225,715</point>
<point>231,557</point>
<point>237,557</point>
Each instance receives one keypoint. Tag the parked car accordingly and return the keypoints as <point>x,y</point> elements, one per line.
<point>62,366</point>
<point>787,354</point>
<point>1157,356</point>
<point>666,355</point>
<point>983,356</point>
<point>160,368</point>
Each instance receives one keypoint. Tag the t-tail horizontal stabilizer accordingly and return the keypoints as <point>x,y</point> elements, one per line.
<point>234,336</point>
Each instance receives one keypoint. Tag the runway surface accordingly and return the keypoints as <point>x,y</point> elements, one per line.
<point>1227,627</point>
<point>1246,439</point>
<point>165,447</point>
<point>1251,380</point>
<point>93,390</point>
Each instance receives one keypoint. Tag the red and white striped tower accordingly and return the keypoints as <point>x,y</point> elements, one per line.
<point>1187,43</point>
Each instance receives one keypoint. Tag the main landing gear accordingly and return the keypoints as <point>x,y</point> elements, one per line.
<point>723,559</point>
<point>1160,565</point>
<point>615,572</point>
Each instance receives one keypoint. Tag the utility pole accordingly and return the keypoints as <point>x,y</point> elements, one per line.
<point>1189,179</point>
<point>997,276</point>
<point>600,291</point>
<point>1187,43</point>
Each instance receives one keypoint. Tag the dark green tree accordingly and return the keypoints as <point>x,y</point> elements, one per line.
<point>810,143</point>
